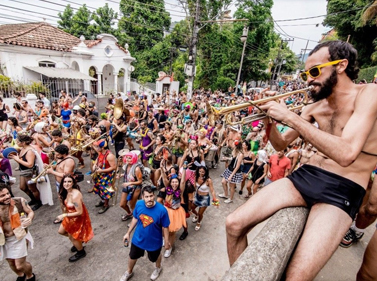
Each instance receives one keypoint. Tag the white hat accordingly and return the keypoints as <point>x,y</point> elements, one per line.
<point>39,127</point>
<point>262,156</point>
<point>76,107</point>
<point>235,127</point>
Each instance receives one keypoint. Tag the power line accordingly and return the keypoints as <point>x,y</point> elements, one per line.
<point>50,9</point>
<point>5,9</point>
<point>161,12</point>
<point>47,15</point>
<point>287,35</point>
<point>331,14</point>
<point>304,24</point>
<point>162,8</point>
<point>15,19</point>
<point>71,2</point>
<point>57,17</point>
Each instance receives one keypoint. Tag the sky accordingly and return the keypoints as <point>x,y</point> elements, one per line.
<point>19,11</point>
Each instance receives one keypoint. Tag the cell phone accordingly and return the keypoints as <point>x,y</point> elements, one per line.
<point>126,243</point>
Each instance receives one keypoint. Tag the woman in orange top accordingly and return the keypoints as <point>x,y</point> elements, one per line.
<point>75,221</point>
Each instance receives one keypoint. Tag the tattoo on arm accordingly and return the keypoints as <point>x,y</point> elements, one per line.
<point>75,204</point>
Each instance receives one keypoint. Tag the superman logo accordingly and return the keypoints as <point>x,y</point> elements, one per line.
<point>146,220</point>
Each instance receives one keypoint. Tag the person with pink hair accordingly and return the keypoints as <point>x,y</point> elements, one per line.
<point>132,181</point>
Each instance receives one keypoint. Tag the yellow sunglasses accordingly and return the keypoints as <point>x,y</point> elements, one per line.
<point>315,71</point>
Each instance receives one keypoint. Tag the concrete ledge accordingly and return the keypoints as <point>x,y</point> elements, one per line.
<point>268,254</point>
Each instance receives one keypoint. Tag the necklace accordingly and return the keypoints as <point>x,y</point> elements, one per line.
<point>143,134</point>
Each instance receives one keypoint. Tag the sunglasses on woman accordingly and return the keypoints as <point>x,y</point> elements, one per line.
<point>315,71</point>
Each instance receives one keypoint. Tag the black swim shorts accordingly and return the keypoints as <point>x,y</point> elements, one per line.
<point>319,186</point>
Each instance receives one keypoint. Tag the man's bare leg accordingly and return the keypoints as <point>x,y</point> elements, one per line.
<point>323,232</point>
<point>368,210</point>
<point>366,216</point>
<point>368,269</point>
<point>279,194</point>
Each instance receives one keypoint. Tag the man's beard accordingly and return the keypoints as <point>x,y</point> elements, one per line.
<point>325,87</point>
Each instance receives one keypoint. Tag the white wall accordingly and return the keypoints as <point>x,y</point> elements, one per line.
<point>14,58</point>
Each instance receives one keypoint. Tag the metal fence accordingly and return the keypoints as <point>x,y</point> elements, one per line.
<point>51,87</point>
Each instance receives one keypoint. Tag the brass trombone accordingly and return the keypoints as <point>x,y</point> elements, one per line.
<point>44,172</point>
<point>214,113</point>
<point>80,147</point>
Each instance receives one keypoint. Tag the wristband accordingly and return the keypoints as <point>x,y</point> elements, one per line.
<point>215,203</point>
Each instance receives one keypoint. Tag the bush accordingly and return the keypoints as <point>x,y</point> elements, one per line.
<point>37,87</point>
<point>224,83</point>
<point>367,74</point>
<point>5,83</point>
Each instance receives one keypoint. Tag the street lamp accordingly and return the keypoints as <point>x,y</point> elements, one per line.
<point>244,41</point>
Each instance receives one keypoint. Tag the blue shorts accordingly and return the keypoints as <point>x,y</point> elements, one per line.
<point>202,200</point>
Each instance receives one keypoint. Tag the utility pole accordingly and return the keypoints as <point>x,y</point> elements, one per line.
<point>172,51</point>
<point>306,48</point>
<point>244,39</point>
<point>277,60</point>
<point>190,66</point>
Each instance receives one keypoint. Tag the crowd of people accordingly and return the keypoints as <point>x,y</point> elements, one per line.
<point>163,149</point>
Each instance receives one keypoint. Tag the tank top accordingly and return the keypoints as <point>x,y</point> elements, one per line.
<point>2,112</point>
<point>192,159</point>
<point>203,187</point>
<point>257,171</point>
<point>233,164</point>
<point>247,166</point>
<point>23,157</point>
<point>150,125</point>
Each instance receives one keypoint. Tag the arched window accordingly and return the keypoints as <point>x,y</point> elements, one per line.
<point>46,64</point>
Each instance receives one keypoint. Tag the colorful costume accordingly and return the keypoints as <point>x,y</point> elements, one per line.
<point>177,214</point>
<point>79,227</point>
<point>145,141</point>
<point>103,181</point>
<point>66,118</point>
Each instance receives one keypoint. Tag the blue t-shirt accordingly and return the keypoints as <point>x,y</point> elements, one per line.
<point>150,221</point>
<point>65,117</point>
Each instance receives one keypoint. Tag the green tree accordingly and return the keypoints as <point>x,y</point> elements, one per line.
<point>346,17</point>
<point>104,18</point>
<point>65,22</point>
<point>162,55</point>
<point>81,23</point>
<point>144,21</point>
<point>261,37</point>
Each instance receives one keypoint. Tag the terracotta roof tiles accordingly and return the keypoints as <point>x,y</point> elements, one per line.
<point>43,36</point>
<point>38,35</point>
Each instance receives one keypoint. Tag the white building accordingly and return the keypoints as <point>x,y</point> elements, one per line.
<point>41,52</point>
<point>165,83</point>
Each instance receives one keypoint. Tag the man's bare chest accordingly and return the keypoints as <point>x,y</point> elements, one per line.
<point>4,216</point>
<point>334,121</point>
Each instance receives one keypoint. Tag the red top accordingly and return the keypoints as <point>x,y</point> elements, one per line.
<point>102,160</point>
<point>79,227</point>
<point>278,166</point>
